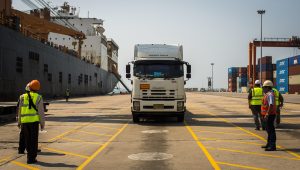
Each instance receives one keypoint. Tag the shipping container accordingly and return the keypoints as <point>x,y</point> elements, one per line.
<point>265,60</point>
<point>294,60</point>
<point>294,80</point>
<point>294,70</point>
<point>294,89</point>
<point>283,89</point>
<point>274,67</point>
<point>284,63</point>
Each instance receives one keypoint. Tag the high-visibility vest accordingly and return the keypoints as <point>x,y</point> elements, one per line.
<point>257,95</point>
<point>276,93</point>
<point>30,115</point>
<point>265,105</point>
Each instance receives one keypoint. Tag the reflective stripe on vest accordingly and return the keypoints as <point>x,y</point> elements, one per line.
<point>265,105</point>
<point>257,95</point>
<point>276,93</point>
<point>29,115</point>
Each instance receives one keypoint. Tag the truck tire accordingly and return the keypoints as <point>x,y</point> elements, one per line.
<point>135,118</point>
<point>180,118</point>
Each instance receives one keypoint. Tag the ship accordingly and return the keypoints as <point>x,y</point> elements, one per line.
<point>62,51</point>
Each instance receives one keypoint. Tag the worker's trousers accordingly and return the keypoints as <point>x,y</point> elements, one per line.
<point>258,120</point>
<point>29,139</point>
<point>271,131</point>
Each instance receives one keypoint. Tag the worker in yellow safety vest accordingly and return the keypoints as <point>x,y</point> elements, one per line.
<point>279,104</point>
<point>30,116</point>
<point>255,100</point>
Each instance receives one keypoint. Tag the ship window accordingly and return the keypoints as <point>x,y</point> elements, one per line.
<point>81,24</point>
<point>101,84</point>
<point>60,77</point>
<point>55,38</point>
<point>70,38</point>
<point>86,79</point>
<point>49,77</point>
<point>90,78</point>
<point>95,74</point>
<point>69,79</point>
<point>91,45</point>
<point>84,45</point>
<point>45,68</point>
<point>19,64</point>
<point>50,38</point>
<point>63,38</point>
<point>34,56</point>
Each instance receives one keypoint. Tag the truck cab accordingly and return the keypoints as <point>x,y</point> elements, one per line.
<point>158,81</point>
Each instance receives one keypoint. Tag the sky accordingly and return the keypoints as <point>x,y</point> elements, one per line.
<point>211,31</point>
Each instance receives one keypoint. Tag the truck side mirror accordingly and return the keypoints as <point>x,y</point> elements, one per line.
<point>188,75</point>
<point>127,69</point>
<point>128,75</point>
<point>188,69</point>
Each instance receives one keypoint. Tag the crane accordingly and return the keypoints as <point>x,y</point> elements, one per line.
<point>268,42</point>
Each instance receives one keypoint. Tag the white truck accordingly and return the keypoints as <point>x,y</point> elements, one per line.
<point>158,81</point>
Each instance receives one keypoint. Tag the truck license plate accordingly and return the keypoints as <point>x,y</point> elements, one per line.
<point>158,106</point>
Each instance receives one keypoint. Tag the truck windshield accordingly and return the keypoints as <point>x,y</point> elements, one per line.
<point>158,69</point>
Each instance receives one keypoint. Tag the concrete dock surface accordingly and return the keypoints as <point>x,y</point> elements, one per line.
<point>98,133</point>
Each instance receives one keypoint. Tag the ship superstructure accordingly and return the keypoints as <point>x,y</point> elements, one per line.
<point>63,52</point>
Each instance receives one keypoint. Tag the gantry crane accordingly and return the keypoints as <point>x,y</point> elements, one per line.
<point>269,42</point>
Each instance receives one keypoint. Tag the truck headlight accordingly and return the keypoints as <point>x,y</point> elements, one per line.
<point>180,105</point>
<point>136,105</point>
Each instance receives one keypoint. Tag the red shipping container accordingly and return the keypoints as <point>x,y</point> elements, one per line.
<point>294,70</point>
<point>293,89</point>
<point>265,60</point>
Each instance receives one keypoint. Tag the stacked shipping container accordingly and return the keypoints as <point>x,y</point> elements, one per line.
<point>232,79</point>
<point>282,71</point>
<point>294,74</point>
<point>266,68</point>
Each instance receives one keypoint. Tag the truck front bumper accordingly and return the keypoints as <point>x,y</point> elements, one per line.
<point>158,107</point>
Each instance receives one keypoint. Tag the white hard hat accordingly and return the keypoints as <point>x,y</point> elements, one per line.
<point>268,83</point>
<point>257,82</point>
<point>27,88</point>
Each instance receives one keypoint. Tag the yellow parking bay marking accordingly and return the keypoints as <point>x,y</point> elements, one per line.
<point>106,127</point>
<point>66,153</point>
<point>77,140</point>
<point>240,166</point>
<point>231,141</point>
<point>225,133</point>
<point>202,147</point>
<point>249,132</point>
<point>85,163</point>
<point>24,165</point>
<point>93,133</point>
<point>253,153</point>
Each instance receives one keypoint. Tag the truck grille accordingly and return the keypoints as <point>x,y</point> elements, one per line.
<point>158,94</point>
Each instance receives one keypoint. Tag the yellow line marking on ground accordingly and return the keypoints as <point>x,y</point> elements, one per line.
<point>226,133</point>
<point>3,160</point>
<point>240,166</point>
<point>230,140</point>
<point>253,134</point>
<point>66,153</point>
<point>24,165</point>
<point>93,133</point>
<point>105,127</point>
<point>253,153</point>
<point>77,140</point>
<point>70,131</point>
<point>202,147</point>
<point>85,163</point>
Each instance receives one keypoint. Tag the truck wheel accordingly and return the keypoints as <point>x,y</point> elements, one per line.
<point>180,118</point>
<point>135,118</point>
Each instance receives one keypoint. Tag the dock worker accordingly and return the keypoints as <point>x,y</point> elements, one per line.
<point>268,111</point>
<point>279,104</point>
<point>67,94</point>
<point>255,100</point>
<point>30,116</point>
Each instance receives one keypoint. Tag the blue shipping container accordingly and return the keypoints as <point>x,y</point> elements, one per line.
<point>294,60</point>
<point>282,73</point>
<point>282,63</point>
<point>282,81</point>
<point>232,70</point>
<point>283,89</point>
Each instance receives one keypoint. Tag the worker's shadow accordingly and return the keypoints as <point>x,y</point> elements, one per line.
<point>47,164</point>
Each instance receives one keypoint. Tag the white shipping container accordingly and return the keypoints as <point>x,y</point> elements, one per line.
<point>274,74</point>
<point>294,80</point>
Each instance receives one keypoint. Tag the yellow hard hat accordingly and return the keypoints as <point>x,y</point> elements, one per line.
<point>268,83</point>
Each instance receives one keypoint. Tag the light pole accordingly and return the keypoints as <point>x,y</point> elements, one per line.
<point>212,76</point>
<point>260,12</point>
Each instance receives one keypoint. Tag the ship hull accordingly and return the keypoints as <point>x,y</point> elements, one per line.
<point>23,59</point>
